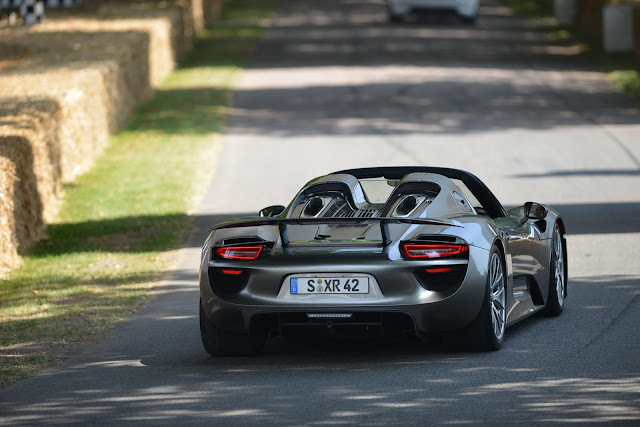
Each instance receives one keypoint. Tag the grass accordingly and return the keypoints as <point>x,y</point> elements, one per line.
<point>623,69</point>
<point>530,8</point>
<point>627,80</point>
<point>120,222</point>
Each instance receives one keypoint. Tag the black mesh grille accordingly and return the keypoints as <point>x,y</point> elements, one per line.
<point>225,284</point>
<point>441,281</point>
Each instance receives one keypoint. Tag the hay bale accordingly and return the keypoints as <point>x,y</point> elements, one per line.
<point>30,180</point>
<point>197,14</point>
<point>159,41</point>
<point>211,11</point>
<point>8,245</point>
<point>35,121</point>
<point>192,13</point>
<point>167,23</point>
<point>80,93</point>
<point>110,63</point>
<point>21,213</point>
<point>120,56</point>
<point>64,86</point>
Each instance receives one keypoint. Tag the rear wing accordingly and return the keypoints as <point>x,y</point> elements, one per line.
<point>283,223</point>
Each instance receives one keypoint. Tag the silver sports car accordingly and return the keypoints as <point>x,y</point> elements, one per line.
<point>396,250</point>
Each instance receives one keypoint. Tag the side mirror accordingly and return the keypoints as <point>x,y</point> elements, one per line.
<point>535,210</point>
<point>271,211</point>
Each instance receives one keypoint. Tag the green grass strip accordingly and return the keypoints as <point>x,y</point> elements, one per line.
<point>119,222</point>
<point>530,8</point>
<point>627,80</point>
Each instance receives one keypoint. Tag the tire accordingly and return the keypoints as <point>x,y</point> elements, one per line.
<point>394,17</point>
<point>218,342</point>
<point>468,20</point>
<point>557,275</point>
<point>486,331</point>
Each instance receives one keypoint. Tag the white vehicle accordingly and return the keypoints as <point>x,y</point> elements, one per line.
<point>466,9</point>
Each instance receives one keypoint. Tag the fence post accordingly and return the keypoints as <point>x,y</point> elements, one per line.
<point>617,26</point>
<point>565,11</point>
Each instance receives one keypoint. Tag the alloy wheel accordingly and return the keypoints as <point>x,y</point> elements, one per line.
<point>559,267</point>
<point>498,296</point>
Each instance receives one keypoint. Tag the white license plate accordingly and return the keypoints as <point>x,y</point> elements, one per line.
<point>328,285</point>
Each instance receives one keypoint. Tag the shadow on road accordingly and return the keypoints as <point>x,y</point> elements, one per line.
<point>337,380</point>
<point>580,218</point>
<point>440,79</point>
<point>443,101</point>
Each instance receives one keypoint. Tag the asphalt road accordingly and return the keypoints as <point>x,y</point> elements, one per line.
<point>332,86</point>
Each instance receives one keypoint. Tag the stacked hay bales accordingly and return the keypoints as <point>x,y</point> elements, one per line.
<point>30,176</point>
<point>210,11</point>
<point>190,12</point>
<point>71,124</point>
<point>81,95</point>
<point>64,86</point>
<point>167,41</point>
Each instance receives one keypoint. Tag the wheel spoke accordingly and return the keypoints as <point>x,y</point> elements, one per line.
<point>496,324</point>
<point>497,295</point>
<point>492,272</point>
<point>498,314</point>
<point>559,267</point>
<point>499,278</point>
<point>496,283</point>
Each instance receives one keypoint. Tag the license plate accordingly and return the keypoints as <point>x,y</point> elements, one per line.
<point>329,285</point>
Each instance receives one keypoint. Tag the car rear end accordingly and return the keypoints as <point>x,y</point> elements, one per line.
<point>464,8</point>
<point>364,275</point>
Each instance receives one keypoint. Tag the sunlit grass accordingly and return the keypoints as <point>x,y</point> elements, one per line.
<point>120,222</point>
<point>530,8</point>
<point>627,80</point>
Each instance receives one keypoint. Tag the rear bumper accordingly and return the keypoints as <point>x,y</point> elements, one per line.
<point>426,319</point>
<point>468,8</point>
<point>397,290</point>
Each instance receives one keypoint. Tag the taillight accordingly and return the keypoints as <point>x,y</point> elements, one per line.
<point>434,250</point>
<point>247,253</point>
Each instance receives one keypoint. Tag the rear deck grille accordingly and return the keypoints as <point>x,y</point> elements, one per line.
<point>362,213</point>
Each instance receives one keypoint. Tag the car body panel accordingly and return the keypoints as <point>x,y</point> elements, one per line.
<point>305,243</point>
<point>466,8</point>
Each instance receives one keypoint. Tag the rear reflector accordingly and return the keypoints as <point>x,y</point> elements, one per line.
<point>438,270</point>
<point>232,272</point>
<point>247,253</point>
<point>434,250</point>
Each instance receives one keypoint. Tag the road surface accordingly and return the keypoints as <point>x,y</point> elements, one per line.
<point>333,86</point>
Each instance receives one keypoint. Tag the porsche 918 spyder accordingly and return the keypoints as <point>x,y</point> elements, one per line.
<point>402,250</point>
<point>466,9</point>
